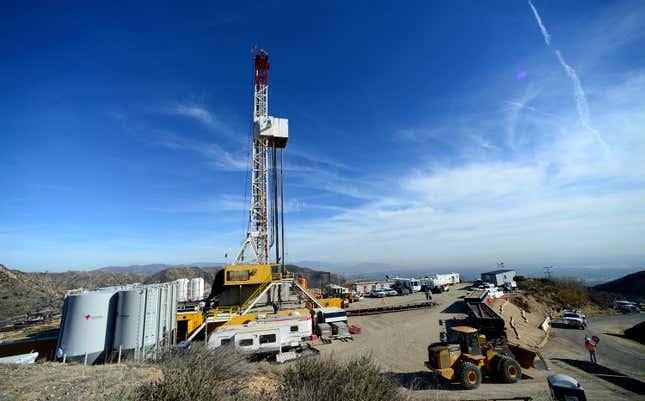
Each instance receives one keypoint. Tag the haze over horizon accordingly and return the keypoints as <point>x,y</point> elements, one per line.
<point>439,135</point>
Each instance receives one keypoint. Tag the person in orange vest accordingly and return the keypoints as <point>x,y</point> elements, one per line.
<point>591,347</point>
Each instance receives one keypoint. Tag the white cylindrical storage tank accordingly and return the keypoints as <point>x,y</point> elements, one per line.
<point>182,289</point>
<point>197,289</point>
<point>86,326</point>
<point>129,319</point>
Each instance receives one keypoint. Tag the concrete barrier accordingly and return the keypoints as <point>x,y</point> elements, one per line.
<point>546,324</point>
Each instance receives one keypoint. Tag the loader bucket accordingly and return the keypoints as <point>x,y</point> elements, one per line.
<point>527,357</point>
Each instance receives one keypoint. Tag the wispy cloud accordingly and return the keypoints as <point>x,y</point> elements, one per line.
<point>514,108</point>
<point>203,116</point>
<point>313,157</point>
<point>198,113</point>
<point>420,135</point>
<point>217,157</point>
<point>528,205</point>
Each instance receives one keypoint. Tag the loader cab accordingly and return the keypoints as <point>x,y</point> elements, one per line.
<point>467,338</point>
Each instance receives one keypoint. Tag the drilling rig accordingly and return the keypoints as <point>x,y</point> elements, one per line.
<point>263,284</point>
<point>270,136</point>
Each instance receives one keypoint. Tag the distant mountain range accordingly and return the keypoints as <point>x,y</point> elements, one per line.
<point>24,292</point>
<point>154,268</point>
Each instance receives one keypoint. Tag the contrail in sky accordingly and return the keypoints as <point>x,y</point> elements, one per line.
<point>545,33</point>
<point>578,92</point>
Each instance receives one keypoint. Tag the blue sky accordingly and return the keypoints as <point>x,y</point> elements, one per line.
<point>427,134</point>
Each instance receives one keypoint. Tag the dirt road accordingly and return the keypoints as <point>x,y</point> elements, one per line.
<point>398,342</point>
<point>614,351</point>
<point>620,360</point>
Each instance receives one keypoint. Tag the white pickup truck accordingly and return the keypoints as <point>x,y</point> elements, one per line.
<point>574,318</point>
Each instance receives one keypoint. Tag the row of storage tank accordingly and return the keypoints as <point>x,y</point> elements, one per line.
<point>190,290</point>
<point>137,322</point>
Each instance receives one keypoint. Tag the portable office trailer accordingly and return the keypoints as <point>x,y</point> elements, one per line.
<point>333,290</point>
<point>266,335</point>
<point>500,277</point>
<point>438,280</point>
<point>411,284</point>
<point>365,287</point>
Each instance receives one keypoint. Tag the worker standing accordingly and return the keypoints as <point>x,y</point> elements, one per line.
<point>591,347</point>
<point>429,294</point>
<point>592,352</point>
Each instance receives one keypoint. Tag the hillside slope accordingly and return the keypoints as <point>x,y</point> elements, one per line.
<point>93,279</point>
<point>22,292</point>
<point>632,285</point>
<point>27,292</point>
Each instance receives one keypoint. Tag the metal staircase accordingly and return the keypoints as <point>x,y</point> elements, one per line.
<point>256,294</point>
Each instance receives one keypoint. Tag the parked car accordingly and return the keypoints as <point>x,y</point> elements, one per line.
<point>626,306</point>
<point>378,293</point>
<point>574,318</point>
<point>391,292</point>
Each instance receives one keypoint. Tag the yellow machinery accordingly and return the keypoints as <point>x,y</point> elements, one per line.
<point>467,356</point>
<point>331,302</point>
<point>188,322</point>
<point>250,274</point>
<point>242,284</point>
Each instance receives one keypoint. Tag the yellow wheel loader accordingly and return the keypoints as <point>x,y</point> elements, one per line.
<point>466,356</point>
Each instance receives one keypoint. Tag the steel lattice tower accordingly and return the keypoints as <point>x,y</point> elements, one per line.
<point>269,133</point>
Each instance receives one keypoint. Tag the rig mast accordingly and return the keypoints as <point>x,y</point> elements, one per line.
<point>270,134</point>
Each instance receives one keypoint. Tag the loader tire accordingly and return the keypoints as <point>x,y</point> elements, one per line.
<point>470,376</point>
<point>496,365</point>
<point>510,370</point>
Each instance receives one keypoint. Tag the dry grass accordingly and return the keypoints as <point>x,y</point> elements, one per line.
<point>327,379</point>
<point>55,381</point>
<point>198,375</point>
<point>223,374</point>
<point>554,294</point>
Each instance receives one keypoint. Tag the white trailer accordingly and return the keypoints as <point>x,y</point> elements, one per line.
<point>365,287</point>
<point>411,284</point>
<point>442,281</point>
<point>266,334</point>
